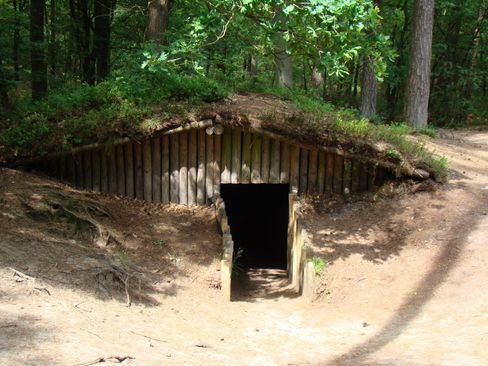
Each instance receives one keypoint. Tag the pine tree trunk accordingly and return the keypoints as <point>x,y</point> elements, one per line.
<point>16,40</point>
<point>101,37</point>
<point>283,76</point>
<point>418,89</point>
<point>38,57</point>
<point>52,50</point>
<point>369,89</point>
<point>157,20</point>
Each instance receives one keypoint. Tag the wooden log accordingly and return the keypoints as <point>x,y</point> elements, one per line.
<point>96,170</point>
<point>285,163</point>
<point>156,169</point>
<point>275,161</point>
<point>79,170</point>
<point>71,170</point>
<point>329,173</point>
<point>183,168</point>
<point>294,169</point>
<point>174,191</point>
<point>52,167</point>
<point>303,171</point>
<point>321,173</point>
<point>87,171</point>
<point>112,170</point>
<point>380,176</point>
<point>256,158</point>
<point>347,174</point>
<point>103,170</point>
<point>201,167</point>
<point>226,156</point>
<point>129,170</point>
<point>371,176</point>
<point>165,169</point>
<point>217,163</point>
<point>192,167</point>
<point>235,176</point>
<point>119,153</point>
<point>147,163</point>
<point>338,174</point>
<point>63,170</point>
<point>138,170</point>
<point>356,169</point>
<point>363,178</point>
<point>246,158</point>
<point>209,177</point>
<point>313,171</point>
<point>265,164</point>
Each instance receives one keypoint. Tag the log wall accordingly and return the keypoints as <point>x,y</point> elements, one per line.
<point>188,167</point>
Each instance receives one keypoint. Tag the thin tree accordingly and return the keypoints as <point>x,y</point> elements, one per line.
<point>418,88</point>
<point>157,20</point>
<point>101,37</point>
<point>38,54</point>
<point>369,89</point>
<point>283,76</point>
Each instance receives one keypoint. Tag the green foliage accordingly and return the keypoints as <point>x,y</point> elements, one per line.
<point>318,265</point>
<point>160,243</point>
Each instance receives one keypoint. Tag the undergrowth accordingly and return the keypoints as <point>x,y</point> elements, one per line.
<point>139,102</point>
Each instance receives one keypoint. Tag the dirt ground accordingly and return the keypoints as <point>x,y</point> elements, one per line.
<point>405,281</point>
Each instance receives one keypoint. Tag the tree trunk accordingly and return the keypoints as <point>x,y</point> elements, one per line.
<point>101,37</point>
<point>474,54</point>
<point>52,38</point>
<point>16,40</point>
<point>38,57</point>
<point>252,65</point>
<point>157,20</point>
<point>418,89</point>
<point>283,76</point>
<point>88,62</point>
<point>368,89</point>
<point>317,78</point>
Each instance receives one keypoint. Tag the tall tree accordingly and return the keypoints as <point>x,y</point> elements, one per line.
<point>283,76</point>
<point>157,20</point>
<point>38,54</point>
<point>369,88</point>
<point>418,89</point>
<point>101,37</point>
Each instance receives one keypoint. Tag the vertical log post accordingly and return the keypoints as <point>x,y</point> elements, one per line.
<point>183,168</point>
<point>312,171</point>
<point>119,152</point>
<point>265,153</point>
<point>165,169</point>
<point>275,160</point>
<point>321,173</point>
<point>303,171</point>
<point>139,171</point>
<point>201,168</point>
<point>192,167</point>
<point>129,170</point>
<point>175,169</point>
<point>246,158</point>
<point>226,156</point>
<point>256,158</point>
<point>285,163</point>
<point>156,169</point>
<point>294,169</point>
<point>236,156</point>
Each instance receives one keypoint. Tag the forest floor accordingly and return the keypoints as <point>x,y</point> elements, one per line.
<point>405,281</point>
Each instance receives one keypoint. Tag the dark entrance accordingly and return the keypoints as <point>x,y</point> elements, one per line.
<point>258,218</point>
